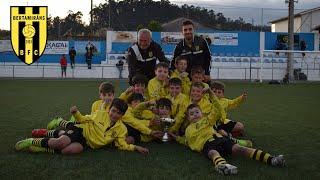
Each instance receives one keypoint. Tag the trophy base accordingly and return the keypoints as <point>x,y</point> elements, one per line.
<point>165,140</point>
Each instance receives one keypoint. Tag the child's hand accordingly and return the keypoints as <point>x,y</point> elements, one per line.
<point>157,134</point>
<point>172,135</point>
<point>151,102</point>
<point>73,109</point>
<point>142,150</point>
<point>129,90</point>
<point>184,74</point>
<point>155,122</point>
<point>206,90</point>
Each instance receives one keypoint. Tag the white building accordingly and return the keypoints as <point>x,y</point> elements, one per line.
<point>305,21</point>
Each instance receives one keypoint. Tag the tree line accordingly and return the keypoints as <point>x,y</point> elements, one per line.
<point>131,15</point>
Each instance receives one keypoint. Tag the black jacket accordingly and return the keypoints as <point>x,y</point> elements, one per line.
<point>197,54</point>
<point>147,64</point>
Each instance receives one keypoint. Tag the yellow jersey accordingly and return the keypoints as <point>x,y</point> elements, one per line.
<point>98,130</point>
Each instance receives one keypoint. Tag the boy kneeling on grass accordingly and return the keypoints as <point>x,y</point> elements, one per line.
<point>200,136</point>
<point>95,131</point>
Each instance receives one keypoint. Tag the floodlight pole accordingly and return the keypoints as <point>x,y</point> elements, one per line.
<point>91,25</point>
<point>290,39</point>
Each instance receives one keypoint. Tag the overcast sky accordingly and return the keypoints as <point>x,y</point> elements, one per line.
<point>250,10</point>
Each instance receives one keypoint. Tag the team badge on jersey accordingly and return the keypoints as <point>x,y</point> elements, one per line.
<point>150,54</point>
<point>28,32</point>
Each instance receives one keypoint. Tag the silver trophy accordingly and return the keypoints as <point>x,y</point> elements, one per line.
<point>166,123</point>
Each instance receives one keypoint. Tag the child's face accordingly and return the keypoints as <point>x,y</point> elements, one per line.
<point>197,77</point>
<point>134,103</point>
<point>162,73</point>
<point>196,93</point>
<point>218,92</point>
<point>164,111</point>
<point>194,114</point>
<point>174,90</point>
<point>181,65</point>
<point>107,97</point>
<point>114,114</point>
<point>139,88</point>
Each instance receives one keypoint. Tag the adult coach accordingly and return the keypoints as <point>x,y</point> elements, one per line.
<point>143,55</point>
<point>195,48</point>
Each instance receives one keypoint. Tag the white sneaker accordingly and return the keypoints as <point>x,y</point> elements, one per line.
<point>227,169</point>
<point>278,161</point>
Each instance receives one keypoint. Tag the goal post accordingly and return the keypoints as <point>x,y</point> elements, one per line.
<point>273,64</point>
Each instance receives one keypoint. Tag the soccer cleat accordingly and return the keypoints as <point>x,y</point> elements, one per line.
<point>21,145</point>
<point>245,143</point>
<point>39,133</point>
<point>278,161</point>
<point>226,169</point>
<point>54,123</point>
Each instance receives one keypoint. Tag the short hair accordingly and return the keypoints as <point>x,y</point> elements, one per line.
<point>134,97</point>
<point>106,87</point>
<point>192,106</point>
<point>197,84</point>
<point>217,85</point>
<point>175,81</point>
<point>187,22</point>
<point>164,102</point>
<point>120,104</point>
<point>197,70</point>
<point>144,31</point>
<point>139,79</point>
<point>161,64</point>
<point>180,58</point>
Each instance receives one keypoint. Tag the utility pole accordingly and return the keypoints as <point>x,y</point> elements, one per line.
<point>109,15</point>
<point>91,25</point>
<point>91,16</point>
<point>261,20</point>
<point>290,39</point>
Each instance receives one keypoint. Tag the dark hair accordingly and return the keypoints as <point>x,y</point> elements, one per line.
<point>217,85</point>
<point>139,79</point>
<point>187,22</point>
<point>163,102</point>
<point>190,107</point>
<point>134,97</point>
<point>197,69</point>
<point>120,104</point>
<point>161,64</point>
<point>197,84</point>
<point>106,87</point>
<point>175,81</point>
<point>180,58</point>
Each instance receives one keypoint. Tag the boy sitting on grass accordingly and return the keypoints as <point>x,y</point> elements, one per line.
<point>201,137</point>
<point>226,126</point>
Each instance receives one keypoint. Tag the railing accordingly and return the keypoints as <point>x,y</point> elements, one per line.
<point>54,71</point>
<point>111,71</point>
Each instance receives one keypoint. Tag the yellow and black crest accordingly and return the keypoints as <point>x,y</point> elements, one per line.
<point>29,32</point>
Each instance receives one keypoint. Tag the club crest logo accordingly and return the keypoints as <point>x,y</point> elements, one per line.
<point>28,32</point>
<point>150,54</point>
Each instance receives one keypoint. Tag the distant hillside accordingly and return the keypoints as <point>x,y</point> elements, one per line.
<point>129,14</point>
